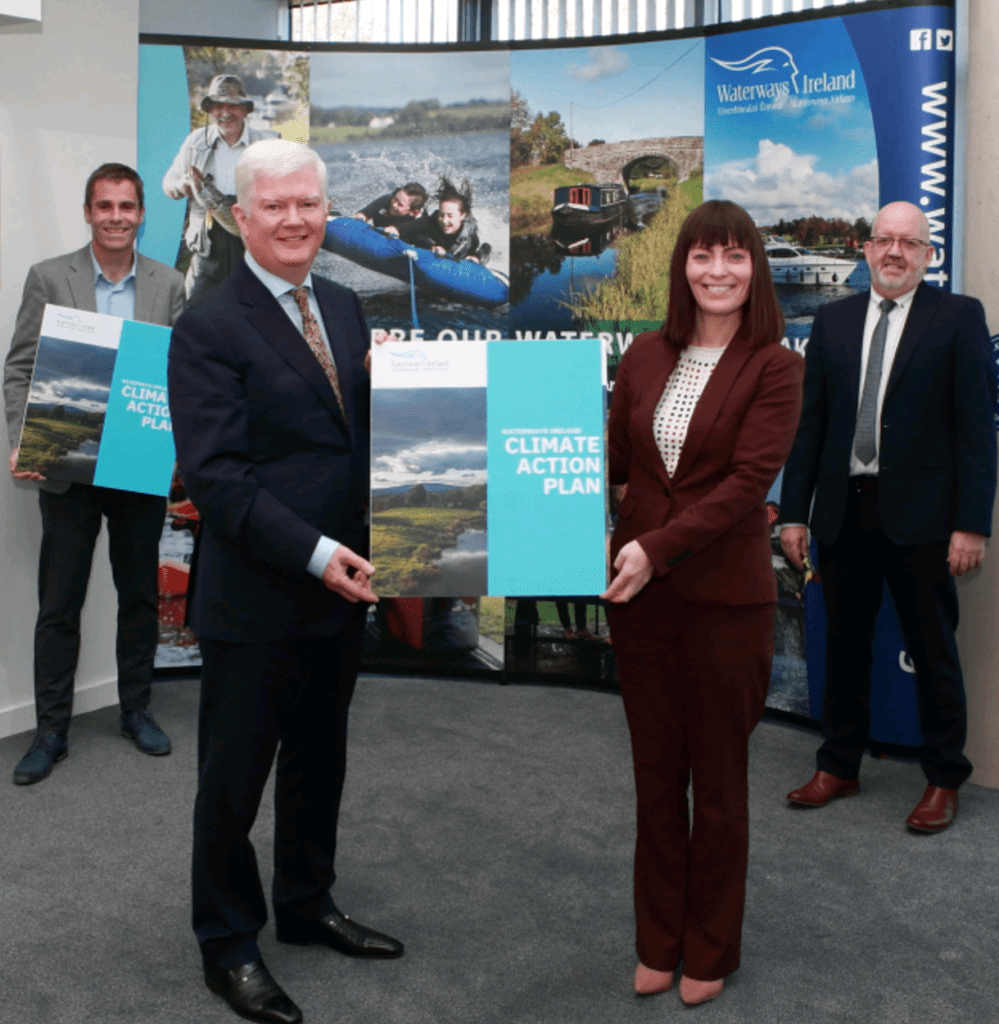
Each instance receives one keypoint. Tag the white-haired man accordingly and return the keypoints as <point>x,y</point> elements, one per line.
<point>270,397</point>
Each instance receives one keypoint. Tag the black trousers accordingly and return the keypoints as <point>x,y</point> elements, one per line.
<point>290,698</point>
<point>70,525</point>
<point>854,570</point>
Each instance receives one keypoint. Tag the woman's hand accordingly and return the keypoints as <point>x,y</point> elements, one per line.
<point>634,570</point>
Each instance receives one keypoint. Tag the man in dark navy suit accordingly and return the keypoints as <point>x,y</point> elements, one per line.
<point>897,444</point>
<point>269,391</point>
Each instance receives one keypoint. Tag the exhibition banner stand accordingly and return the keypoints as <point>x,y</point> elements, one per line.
<point>576,164</point>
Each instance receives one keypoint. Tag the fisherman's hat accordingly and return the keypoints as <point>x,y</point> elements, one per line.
<point>227,89</point>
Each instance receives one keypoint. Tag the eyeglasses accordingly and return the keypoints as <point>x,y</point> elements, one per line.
<point>912,246</point>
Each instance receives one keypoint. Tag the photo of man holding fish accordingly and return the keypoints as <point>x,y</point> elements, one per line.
<point>204,172</point>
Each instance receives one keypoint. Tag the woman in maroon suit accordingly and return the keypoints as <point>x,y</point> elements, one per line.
<point>703,417</point>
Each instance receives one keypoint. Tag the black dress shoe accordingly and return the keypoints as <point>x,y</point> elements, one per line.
<point>46,750</point>
<point>337,931</point>
<point>251,992</point>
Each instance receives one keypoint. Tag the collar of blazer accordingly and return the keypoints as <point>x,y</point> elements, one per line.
<point>266,314</point>
<point>848,325</point>
<point>80,279</point>
<point>706,411</point>
<point>925,303</point>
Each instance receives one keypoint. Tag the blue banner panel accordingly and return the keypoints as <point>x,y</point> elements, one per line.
<point>545,416</point>
<point>164,119</point>
<point>908,61</point>
<point>137,451</point>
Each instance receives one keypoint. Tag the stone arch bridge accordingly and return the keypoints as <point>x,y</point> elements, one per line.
<point>611,161</point>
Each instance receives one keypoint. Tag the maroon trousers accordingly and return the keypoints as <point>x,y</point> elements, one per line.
<point>694,680</point>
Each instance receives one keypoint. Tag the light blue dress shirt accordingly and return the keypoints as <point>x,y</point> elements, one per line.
<point>114,299</point>
<point>281,289</point>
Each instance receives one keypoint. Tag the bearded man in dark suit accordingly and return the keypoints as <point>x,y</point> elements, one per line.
<point>270,395</point>
<point>897,444</point>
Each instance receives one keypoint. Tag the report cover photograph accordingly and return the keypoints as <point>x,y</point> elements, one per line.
<point>97,408</point>
<point>428,470</point>
<point>524,418</point>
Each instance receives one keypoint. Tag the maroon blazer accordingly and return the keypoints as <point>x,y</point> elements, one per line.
<point>706,526</point>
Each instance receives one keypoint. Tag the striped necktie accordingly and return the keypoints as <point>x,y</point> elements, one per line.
<point>865,442</point>
<point>314,337</point>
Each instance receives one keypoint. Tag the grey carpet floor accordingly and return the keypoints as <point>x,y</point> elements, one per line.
<point>490,828</point>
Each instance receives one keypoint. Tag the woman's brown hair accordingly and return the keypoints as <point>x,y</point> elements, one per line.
<point>720,222</point>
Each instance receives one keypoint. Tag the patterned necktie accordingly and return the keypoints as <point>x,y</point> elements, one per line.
<point>864,439</point>
<point>314,337</point>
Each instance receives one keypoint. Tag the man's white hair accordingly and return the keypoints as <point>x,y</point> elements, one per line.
<point>275,158</point>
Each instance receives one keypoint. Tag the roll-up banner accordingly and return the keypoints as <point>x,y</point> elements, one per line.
<point>530,191</point>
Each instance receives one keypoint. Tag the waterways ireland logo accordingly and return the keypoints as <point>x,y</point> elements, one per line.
<point>774,63</point>
<point>779,85</point>
<point>415,361</point>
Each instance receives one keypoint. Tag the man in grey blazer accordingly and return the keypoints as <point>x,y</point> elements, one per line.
<point>106,276</point>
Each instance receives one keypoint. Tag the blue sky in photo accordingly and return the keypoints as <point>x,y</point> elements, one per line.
<point>73,374</point>
<point>618,93</point>
<point>791,161</point>
<point>428,436</point>
<point>394,79</point>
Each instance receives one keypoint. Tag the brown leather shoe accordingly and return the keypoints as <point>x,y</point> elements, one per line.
<point>935,811</point>
<point>821,789</point>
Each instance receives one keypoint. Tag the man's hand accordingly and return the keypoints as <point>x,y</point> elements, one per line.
<point>391,230</point>
<point>634,570</point>
<point>794,541</point>
<point>379,337</point>
<point>966,552</point>
<point>182,189</point>
<point>24,474</point>
<point>355,587</point>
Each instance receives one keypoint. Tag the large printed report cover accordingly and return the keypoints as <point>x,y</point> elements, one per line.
<point>97,409</point>
<point>487,468</point>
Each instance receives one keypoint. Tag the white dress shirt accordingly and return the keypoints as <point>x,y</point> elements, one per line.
<point>281,289</point>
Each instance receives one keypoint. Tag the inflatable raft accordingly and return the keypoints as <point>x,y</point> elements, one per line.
<point>464,280</point>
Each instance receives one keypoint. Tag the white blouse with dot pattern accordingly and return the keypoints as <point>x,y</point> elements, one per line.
<point>683,389</point>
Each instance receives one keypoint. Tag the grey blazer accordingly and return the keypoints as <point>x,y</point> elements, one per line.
<point>69,281</point>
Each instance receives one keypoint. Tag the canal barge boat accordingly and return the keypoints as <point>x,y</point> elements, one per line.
<point>589,206</point>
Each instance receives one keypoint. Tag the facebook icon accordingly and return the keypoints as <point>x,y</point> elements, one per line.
<point>921,39</point>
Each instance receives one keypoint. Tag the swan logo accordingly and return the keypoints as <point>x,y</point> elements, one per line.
<point>70,322</point>
<point>415,361</point>
<point>776,64</point>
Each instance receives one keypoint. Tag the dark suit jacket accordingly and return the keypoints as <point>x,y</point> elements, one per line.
<point>69,281</point>
<point>267,457</point>
<point>706,526</point>
<point>937,454</point>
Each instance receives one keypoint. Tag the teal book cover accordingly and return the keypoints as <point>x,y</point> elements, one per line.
<point>488,468</point>
<point>98,411</point>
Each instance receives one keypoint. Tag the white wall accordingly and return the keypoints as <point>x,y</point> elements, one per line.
<point>67,103</point>
<point>242,19</point>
